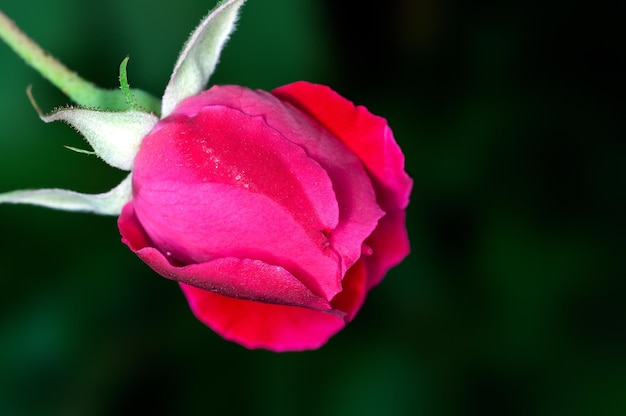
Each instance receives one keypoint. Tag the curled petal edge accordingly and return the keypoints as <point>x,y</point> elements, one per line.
<point>239,278</point>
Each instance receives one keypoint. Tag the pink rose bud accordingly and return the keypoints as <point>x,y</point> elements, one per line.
<point>275,212</point>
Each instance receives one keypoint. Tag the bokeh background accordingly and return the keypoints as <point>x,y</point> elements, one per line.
<point>512,301</point>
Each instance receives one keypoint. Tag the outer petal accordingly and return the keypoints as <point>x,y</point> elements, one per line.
<point>241,190</point>
<point>108,203</point>
<point>365,134</point>
<point>217,221</point>
<point>296,321</point>
<point>358,210</point>
<point>277,327</point>
<point>390,245</point>
<point>200,54</point>
<point>238,278</point>
<point>352,296</point>
<point>371,139</point>
<point>261,325</point>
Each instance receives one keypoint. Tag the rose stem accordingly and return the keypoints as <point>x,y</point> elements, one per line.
<point>76,88</point>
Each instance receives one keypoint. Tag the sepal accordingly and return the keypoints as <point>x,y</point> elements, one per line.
<point>115,137</point>
<point>200,54</point>
<point>108,203</point>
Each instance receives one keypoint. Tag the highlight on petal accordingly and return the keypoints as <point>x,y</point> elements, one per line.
<point>200,55</point>
<point>358,211</point>
<point>115,137</point>
<point>242,190</point>
<point>108,203</point>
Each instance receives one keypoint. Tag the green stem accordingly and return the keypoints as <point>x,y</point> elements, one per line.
<point>69,82</point>
<point>77,89</point>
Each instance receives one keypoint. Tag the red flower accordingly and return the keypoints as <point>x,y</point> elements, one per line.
<point>275,212</point>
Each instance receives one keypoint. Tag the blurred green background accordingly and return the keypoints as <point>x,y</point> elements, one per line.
<point>511,303</point>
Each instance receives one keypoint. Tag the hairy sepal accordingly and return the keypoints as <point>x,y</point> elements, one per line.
<point>200,55</point>
<point>114,136</point>
<point>108,203</point>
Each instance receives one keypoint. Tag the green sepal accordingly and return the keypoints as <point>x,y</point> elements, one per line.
<point>108,203</point>
<point>200,54</point>
<point>115,137</point>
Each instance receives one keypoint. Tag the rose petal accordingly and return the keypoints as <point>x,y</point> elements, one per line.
<point>261,325</point>
<point>235,223</point>
<point>275,327</point>
<point>390,245</point>
<point>220,144</point>
<point>367,135</point>
<point>371,139</point>
<point>352,296</point>
<point>251,192</point>
<point>358,211</point>
<point>249,279</point>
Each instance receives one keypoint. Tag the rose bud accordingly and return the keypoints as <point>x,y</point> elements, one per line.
<point>275,212</point>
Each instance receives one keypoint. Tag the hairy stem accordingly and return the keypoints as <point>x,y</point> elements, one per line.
<point>68,81</point>
<point>77,89</point>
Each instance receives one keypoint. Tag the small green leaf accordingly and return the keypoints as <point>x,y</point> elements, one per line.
<point>128,95</point>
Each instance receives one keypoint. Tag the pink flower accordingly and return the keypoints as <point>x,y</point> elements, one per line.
<point>276,212</point>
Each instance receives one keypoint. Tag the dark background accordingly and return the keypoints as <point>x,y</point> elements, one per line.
<point>511,303</point>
